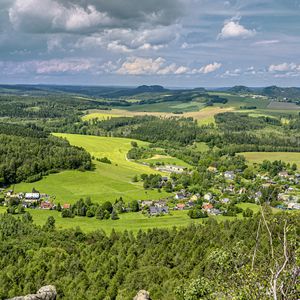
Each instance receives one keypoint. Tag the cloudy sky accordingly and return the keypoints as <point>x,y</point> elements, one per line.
<point>181,43</point>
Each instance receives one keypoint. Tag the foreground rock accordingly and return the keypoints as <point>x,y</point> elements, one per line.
<point>44,293</point>
<point>142,295</point>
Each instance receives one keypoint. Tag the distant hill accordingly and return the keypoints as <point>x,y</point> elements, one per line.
<point>240,89</point>
<point>150,89</point>
<point>291,93</point>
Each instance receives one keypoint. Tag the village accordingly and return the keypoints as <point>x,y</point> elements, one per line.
<point>282,192</point>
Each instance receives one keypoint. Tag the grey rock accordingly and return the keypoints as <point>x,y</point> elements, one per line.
<point>142,295</point>
<point>44,293</point>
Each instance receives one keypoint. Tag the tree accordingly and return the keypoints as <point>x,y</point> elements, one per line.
<point>114,215</point>
<point>100,213</point>
<point>50,224</point>
<point>134,206</point>
<point>135,179</point>
<point>107,206</point>
<point>134,144</point>
<point>248,213</point>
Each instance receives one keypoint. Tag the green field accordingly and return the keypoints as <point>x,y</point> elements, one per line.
<point>259,157</point>
<point>129,221</point>
<point>106,182</point>
<point>168,160</point>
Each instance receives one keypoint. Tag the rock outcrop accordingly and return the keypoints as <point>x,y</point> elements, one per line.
<point>142,295</point>
<point>44,293</point>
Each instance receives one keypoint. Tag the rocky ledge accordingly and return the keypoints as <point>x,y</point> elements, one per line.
<point>44,293</point>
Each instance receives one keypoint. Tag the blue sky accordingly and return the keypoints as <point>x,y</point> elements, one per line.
<point>182,43</point>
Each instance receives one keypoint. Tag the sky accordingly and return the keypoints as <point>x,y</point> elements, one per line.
<point>174,43</point>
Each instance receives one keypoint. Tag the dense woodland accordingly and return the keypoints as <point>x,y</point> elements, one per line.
<point>27,153</point>
<point>244,259</point>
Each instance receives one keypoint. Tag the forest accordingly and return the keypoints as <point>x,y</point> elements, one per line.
<point>27,153</point>
<point>253,258</point>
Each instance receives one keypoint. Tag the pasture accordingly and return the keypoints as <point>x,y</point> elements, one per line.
<point>168,160</point>
<point>259,157</point>
<point>129,221</point>
<point>106,182</point>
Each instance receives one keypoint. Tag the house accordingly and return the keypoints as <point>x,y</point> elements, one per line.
<point>294,206</point>
<point>212,169</point>
<point>214,211</point>
<point>207,206</point>
<point>179,196</point>
<point>160,203</point>
<point>229,175</point>
<point>283,174</point>
<point>32,196</point>
<point>66,206</point>
<point>164,178</point>
<point>190,204</point>
<point>146,203</point>
<point>225,200</point>
<point>171,169</point>
<point>180,206</point>
<point>154,210</point>
<point>195,197</point>
<point>46,205</point>
<point>208,197</point>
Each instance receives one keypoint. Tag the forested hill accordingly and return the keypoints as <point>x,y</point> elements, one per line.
<point>27,153</point>
<point>227,260</point>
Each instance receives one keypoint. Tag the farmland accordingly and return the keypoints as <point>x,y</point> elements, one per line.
<point>259,157</point>
<point>106,182</point>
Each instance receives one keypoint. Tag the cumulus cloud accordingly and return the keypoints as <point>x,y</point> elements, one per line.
<point>210,68</point>
<point>159,66</point>
<point>233,29</point>
<point>126,40</point>
<point>78,16</point>
<point>232,73</point>
<point>284,67</point>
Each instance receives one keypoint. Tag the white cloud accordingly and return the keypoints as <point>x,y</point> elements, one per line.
<point>233,29</point>
<point>284,67</point>
<point>48,16</point>
<point>267,42</point>
<point>232,73</point>
<point>159,66</point>
<point>52,16</point>
<point>210,68</point>
<point>127,40</point>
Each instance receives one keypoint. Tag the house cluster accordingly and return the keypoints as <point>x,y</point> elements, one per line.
<point>171,169</point>
<point>154,208</point>
<point>33,199</point>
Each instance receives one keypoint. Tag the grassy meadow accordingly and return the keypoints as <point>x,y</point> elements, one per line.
<point>106,182</point>
<point>259,157</point>
<point>168,160</point>
<point>129,221</point>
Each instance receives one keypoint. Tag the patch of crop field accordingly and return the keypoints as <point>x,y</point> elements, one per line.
<point>206,115</point>
<point>100,116</point>
<point>168,107</point>
<point>106,182</point>
<point>283,106</point>
<point>167,160</point>
<point>259,157</point>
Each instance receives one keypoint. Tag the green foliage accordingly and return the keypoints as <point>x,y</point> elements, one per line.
<point>210,261</point>
<point>197,213</point>
<point>29,155</point>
